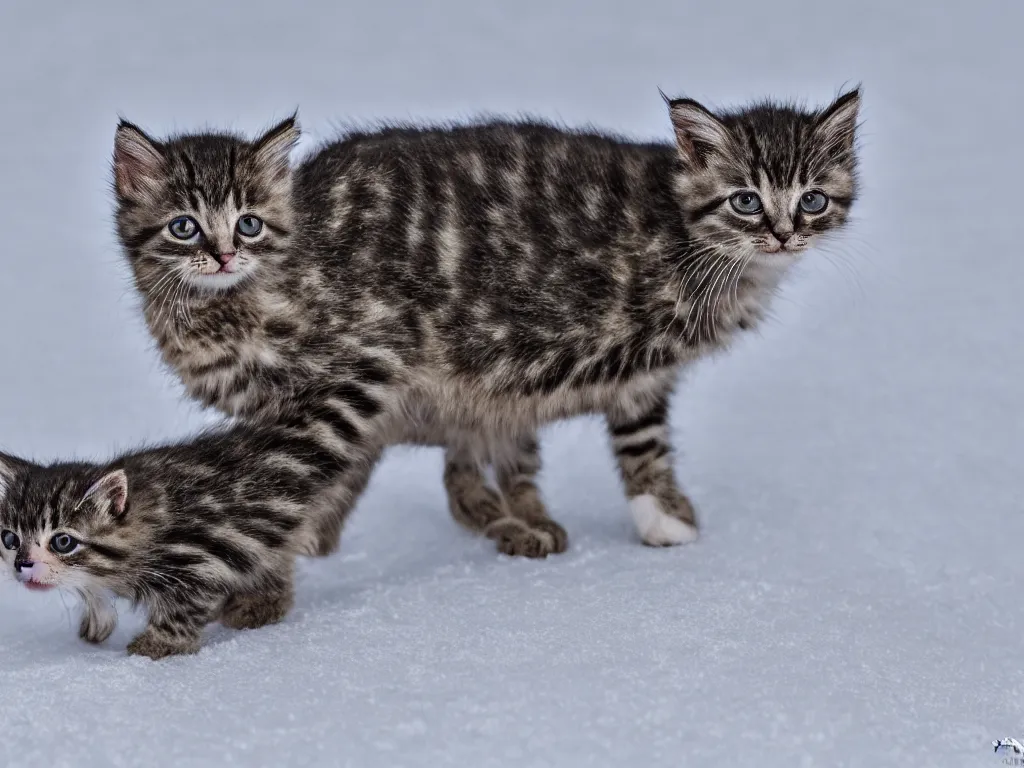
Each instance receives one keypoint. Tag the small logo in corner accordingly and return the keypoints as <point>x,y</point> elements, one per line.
<point>1011,750</point>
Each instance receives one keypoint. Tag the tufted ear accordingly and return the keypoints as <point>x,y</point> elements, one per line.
<point>138,162</point>
<point>10,468</point>
<point>698,132</point>
<point>272,149</point>
<point>7,472</point>
<point>109,493</point>
<point>836,125</point>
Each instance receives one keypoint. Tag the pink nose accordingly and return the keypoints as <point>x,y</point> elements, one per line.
<point>224,258</point>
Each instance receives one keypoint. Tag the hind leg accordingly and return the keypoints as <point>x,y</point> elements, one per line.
<point>517,468</point>
<point>473,503</point>
<point>517,523</point>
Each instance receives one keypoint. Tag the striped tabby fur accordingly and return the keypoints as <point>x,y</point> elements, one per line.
<point>465,285</point>
<point>195,532</point>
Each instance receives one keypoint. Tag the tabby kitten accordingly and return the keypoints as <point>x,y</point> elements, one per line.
<point>194,532</point>
<point>464,285</point>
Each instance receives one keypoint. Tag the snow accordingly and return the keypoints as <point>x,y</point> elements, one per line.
<point>853,597</point>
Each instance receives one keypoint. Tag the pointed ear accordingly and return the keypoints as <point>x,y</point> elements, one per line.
<point>272,149</point>
<point>9,466</point>
<point>698,132</point>
<point>110,492</point>
<point>837,123</point>
<point>138,162</point>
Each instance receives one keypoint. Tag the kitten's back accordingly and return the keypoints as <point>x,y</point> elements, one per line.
<point>496,239</point>
<point>487,205</point>
<point>495,139</point>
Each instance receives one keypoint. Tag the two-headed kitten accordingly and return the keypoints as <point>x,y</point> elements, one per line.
<point>465,285</point>
<point>194,533</point>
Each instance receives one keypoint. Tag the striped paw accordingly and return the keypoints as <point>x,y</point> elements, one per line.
<point>519,538</point>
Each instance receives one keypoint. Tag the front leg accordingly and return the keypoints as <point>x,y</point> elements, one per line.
<point>98,615</point>
<point>661,512</point>
<point>268,604</point>
<point>334,511</point>
<point>175,626</point>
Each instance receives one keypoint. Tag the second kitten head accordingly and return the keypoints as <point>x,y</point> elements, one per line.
<point>205,210</point>
<point>765,182</point>
<point>63,525</point>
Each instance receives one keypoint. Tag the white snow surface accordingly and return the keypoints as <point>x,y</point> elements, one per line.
<point>853,599</point>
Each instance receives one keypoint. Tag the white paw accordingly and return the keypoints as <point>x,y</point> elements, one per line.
<point>656,527</point>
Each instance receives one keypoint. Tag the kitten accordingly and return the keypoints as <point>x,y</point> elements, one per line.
<point>194,532</point>
<point>465,285</point>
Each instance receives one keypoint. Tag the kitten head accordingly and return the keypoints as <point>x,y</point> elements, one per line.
<point>59,525</point>
<point>205,210</point>
<point>765,182</point>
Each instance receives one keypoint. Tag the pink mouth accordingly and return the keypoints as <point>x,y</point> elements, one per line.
<point>224,269</point>
<point>36,586</point>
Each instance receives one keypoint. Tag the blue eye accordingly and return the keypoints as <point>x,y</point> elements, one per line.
<point>813,202</point>
<point>746,202</point>
<point>10,540</point>
<point>63,544</point>
<point>250,226</point>
<point>183,228</point>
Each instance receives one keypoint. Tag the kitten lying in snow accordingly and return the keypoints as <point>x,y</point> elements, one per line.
<point>198,533</point>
